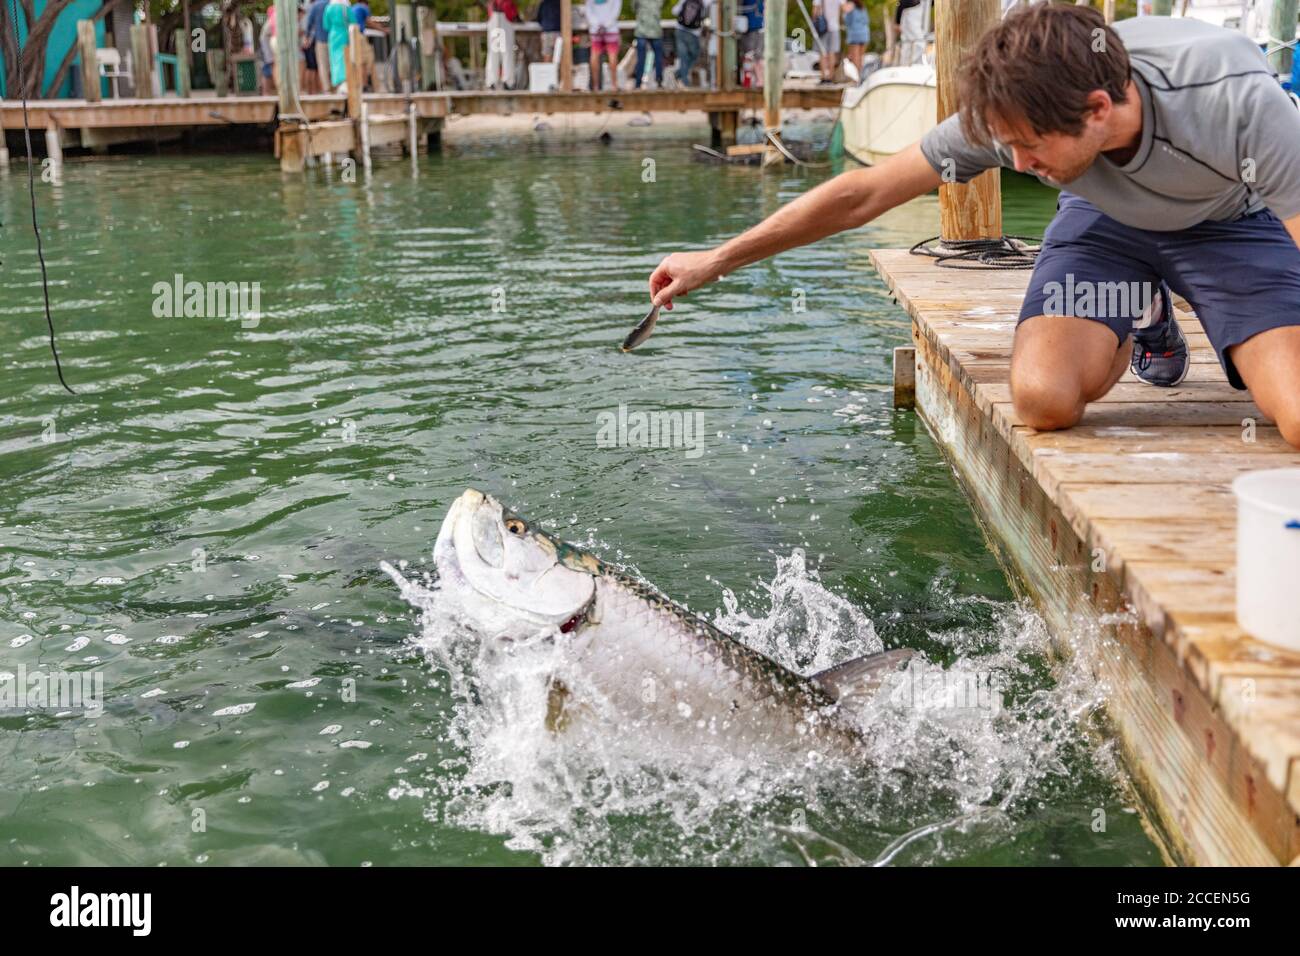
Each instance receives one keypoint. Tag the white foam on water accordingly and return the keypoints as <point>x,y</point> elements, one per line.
<point>941,776</point>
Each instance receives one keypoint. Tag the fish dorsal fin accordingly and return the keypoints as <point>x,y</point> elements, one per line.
<point>862,675</point>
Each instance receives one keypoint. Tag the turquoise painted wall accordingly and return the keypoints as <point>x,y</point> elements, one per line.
<point>63,36</point>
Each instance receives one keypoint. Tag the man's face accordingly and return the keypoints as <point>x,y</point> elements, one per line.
<point>1058,157</point>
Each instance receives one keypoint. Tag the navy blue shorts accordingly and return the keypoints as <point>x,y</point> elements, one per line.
<point>1240,277</point>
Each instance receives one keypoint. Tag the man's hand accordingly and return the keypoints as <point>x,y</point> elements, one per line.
<point>680,273</point>
<point>845,202</point>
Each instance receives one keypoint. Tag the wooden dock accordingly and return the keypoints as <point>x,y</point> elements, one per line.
<point>1122,529</point>
<point>98,123</point>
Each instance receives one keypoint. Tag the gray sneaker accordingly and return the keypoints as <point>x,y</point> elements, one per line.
<point>1160,355</point>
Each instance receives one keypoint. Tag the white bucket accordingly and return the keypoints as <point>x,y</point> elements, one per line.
<point>1268,555</point>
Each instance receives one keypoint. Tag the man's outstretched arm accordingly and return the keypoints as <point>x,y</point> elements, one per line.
<point>845,202</point>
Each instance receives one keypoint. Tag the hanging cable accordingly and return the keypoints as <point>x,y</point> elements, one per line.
<point>31,190</point>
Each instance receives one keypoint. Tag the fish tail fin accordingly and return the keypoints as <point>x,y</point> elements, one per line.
<point>862,675</point>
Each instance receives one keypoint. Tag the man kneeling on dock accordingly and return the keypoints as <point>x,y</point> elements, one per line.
<point>1179,157</point>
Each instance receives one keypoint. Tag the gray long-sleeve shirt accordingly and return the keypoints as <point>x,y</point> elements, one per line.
<point>1220,138</point>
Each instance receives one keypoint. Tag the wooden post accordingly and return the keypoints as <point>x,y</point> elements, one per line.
<point>566,53</point>
<point>354,70</point>
<point>723,123</point>
<point>1108,10</point>
<point>414,137</point>
<point>141,61</point>
<point>363,136</point>
<point>89,66</point>
<point>773,71</point>
<point>973,210</point>
<point>217,70</point>
<point>182,40</point>
<point>1281,29</point>
<point>292,141</point>
<point>286,55</point>
<point>905,376</point>
<point>54,150</point>
<point>727,55</point>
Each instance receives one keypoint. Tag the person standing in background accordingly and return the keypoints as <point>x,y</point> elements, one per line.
<point>831,11</point>
<point>360,13</point>
<point>237,39</point>
<point>548,20</point>
<point>751,41</point>
<point>910,17</point>
<point>602,25</point>
<point>316,35</point>
<point>649,32</point>
<point>686,38</point>
<point>857,33</point>
<point>266,47</point>
<point>500,70</point>
<point>336,20</point>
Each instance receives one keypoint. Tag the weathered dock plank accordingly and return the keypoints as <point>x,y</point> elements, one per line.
<point>1123,530</point>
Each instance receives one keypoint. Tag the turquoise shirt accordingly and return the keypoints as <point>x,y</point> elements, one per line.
<point>336,22</point>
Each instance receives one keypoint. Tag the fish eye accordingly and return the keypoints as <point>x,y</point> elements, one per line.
<point>516,527</point>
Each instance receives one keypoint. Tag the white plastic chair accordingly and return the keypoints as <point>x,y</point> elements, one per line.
<point>109,62</point>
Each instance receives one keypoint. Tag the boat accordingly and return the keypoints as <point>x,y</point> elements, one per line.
<point>891,108</point>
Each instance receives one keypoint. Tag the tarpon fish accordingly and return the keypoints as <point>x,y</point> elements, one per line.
<point>661,667</point>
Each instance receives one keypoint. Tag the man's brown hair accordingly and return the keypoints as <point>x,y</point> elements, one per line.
<point>1039,64</point>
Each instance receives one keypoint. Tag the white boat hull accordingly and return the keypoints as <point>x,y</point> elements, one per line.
<point>894,108</point>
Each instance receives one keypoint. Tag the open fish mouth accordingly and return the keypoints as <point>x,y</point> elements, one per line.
<point>512,574</point>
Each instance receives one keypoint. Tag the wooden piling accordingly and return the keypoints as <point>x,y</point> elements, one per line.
<point>1282,29</point>
<point>773,71</point>
<point>363,133</point>
<point>181,39</point>
<point>54,149</point>
<point>142,78</point>
<point>354,70</point>
<point>727,54</point>
<point>89,66</point>
<point>413,137</point>
<point>217,71</point>
<point>286,56</point>
<point>905,377</point>
<point>972,210</point>
<point>566,54</point>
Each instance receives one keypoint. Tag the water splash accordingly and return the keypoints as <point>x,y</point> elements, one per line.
<point>948,775</point>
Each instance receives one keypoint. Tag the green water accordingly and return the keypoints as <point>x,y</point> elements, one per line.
<point>202,523</point>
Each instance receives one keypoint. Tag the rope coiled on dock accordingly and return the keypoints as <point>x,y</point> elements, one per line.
<point>1008,252</point>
